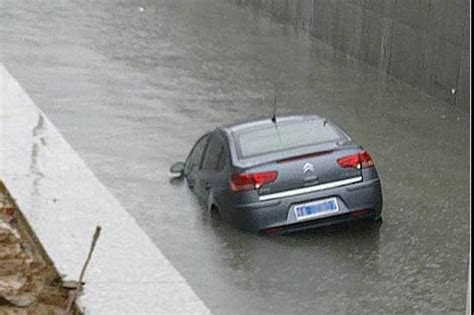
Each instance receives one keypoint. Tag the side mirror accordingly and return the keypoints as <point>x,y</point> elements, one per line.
<point>177,169</point>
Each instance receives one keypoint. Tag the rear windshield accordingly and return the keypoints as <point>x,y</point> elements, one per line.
<point>284,136</point>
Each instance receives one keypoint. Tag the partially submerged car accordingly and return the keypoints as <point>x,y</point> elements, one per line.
<point>284,175</point>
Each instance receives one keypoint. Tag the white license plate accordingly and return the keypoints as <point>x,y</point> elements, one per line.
<point>316,209</point>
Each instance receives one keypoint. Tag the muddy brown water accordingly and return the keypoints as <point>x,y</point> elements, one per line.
<point>132,89</point>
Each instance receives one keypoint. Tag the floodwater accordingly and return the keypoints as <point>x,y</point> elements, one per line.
<point>132,85</point>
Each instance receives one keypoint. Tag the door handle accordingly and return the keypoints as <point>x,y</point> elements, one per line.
<point>207,186</point>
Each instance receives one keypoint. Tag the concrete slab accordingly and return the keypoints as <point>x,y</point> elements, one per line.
<point>447,19</point>
<point>414,14</point>
<point>464,82</point>
<point>405,62</point>
<point>64,201</point>
<point>371,36</point>
<point>441,64</point>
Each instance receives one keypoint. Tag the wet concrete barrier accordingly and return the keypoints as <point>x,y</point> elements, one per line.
<point>424,43</point>
<point>468,295</point>
<point>63,201</point>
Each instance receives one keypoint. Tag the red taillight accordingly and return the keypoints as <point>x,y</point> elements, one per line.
<point>365,159</point>
<point>273,230</point>
<point>359,160</point>
<point>239,182</point>
<point>359,213</point>
<point>349,161</point>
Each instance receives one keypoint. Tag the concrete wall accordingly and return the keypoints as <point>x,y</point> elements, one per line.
<point>425,43</point>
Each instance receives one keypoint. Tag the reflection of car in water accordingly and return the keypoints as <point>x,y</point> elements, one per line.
<point>295,173</point>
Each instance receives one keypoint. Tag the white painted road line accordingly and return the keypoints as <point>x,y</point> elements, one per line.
<point>64,201</point>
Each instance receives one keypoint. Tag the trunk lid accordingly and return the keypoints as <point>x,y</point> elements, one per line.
<point>311,169</point>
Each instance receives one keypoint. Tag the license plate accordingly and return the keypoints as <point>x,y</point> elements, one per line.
<point>316,209</point>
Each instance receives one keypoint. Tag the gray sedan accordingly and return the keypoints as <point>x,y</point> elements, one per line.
<point>283,175</point>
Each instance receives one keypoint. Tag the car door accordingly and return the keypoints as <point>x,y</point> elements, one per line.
<point>192,168</point>
<point>213,165</point>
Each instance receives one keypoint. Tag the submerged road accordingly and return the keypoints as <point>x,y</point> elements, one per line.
<point>131,86</point>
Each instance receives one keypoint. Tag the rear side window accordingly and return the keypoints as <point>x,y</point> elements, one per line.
<point>213,153</point>
<point>284,136</point>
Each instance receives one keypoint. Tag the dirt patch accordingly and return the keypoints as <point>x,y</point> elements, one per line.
<point>29,284</point>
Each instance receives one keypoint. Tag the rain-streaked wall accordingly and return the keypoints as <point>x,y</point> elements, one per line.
<point>422,42</point>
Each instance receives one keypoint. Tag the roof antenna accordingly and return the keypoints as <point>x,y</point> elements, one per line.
<point>274,118</point>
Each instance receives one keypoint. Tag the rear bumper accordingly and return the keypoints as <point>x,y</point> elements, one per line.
<point>263,215</point>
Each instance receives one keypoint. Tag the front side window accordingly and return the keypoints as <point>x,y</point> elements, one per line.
<point>194,159</point>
